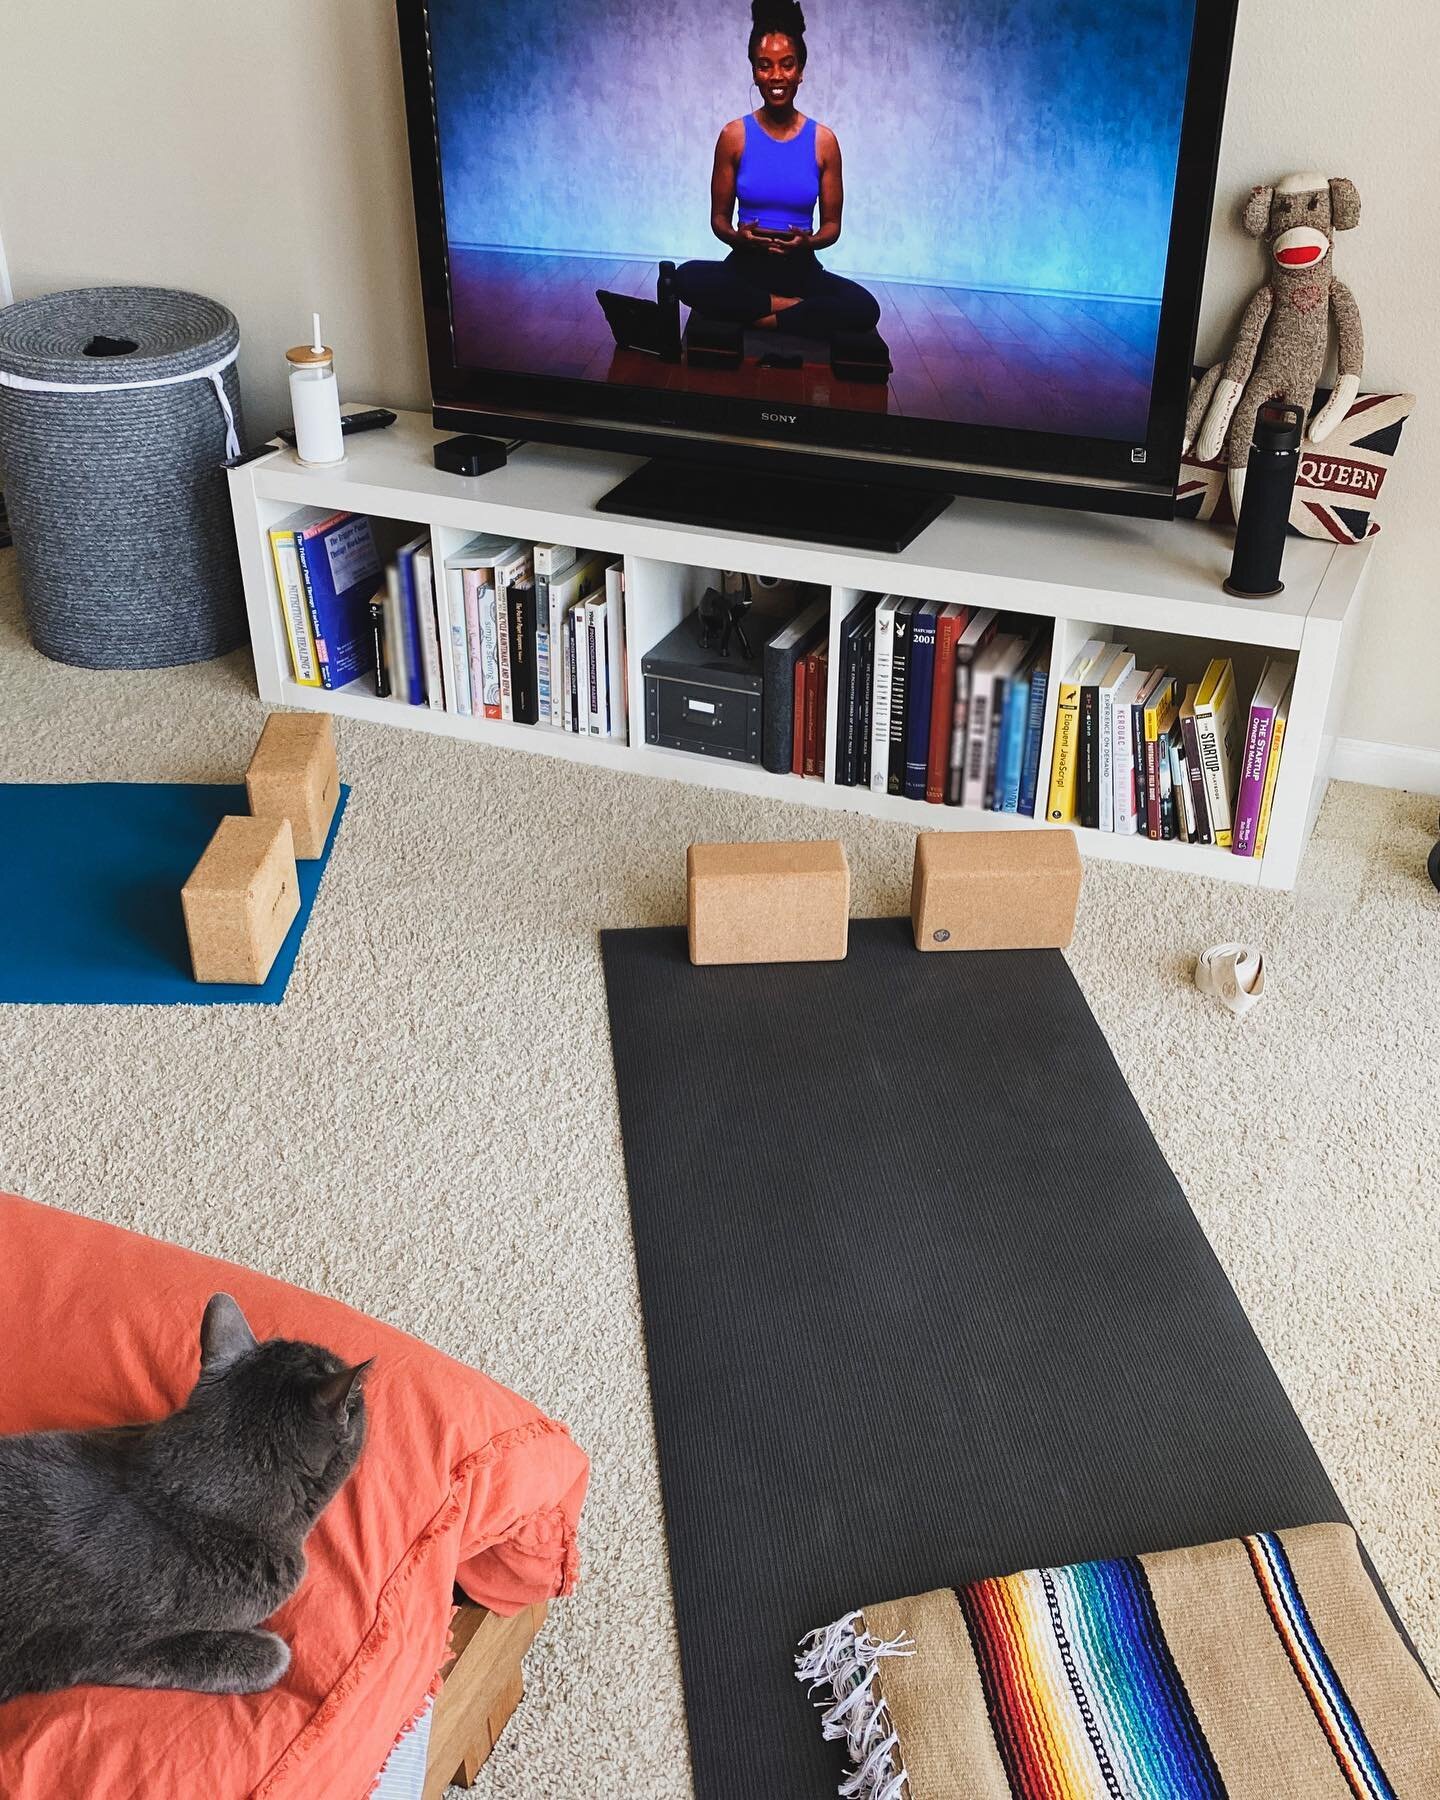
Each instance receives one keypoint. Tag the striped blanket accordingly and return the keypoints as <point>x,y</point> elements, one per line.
<point>1257,1669</point>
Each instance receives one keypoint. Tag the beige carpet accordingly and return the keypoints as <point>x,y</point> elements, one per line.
<point>427,1127</point>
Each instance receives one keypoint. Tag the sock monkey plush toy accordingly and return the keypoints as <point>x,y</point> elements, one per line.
<point>1284,336</point>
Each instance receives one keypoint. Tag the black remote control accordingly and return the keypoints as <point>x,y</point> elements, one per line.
<point>376,419</point>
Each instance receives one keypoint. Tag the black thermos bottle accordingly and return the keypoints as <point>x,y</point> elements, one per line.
<point>1265,509</point>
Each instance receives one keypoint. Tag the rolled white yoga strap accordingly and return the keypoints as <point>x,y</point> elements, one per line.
<point>213,373</point>
<point>1233,973</point>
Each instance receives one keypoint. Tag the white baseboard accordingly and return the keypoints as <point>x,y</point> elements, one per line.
<point>1407,766</point>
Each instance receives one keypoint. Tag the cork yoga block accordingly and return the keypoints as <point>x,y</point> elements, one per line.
<point>995,890</point>
<point>240,900</point>
<point>764,903</point>
<point>293,775</point>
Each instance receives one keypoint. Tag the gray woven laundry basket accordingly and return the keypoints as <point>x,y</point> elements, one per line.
<point>110,466</point>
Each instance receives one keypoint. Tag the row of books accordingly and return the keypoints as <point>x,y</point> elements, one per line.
<point>943,704</point>
<point>533,634</point>
<point>795,676</point>
<point>1144,751</point>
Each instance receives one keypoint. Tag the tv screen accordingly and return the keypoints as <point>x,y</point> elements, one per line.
<point>961,239</point>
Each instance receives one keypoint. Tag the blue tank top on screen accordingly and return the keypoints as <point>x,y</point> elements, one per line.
<point>778,185</point>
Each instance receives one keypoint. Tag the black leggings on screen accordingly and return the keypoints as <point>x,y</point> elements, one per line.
<point>740,289</point>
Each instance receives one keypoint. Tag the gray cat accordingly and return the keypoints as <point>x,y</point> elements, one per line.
<point>147,1555</point>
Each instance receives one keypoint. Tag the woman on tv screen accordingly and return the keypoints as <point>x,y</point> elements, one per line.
<point>773,168</point>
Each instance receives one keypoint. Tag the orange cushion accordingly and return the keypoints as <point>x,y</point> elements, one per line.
<point>460,1480</point>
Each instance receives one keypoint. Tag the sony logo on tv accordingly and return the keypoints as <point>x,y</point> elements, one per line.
<point>780,418</point>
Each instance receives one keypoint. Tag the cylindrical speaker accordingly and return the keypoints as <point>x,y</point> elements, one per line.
<point>1264,520</point>
<point>117,408</point>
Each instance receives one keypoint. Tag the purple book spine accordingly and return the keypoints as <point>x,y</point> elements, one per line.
<point>1252,780</point>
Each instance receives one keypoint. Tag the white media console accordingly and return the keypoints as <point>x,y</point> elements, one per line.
<point>1153,586</point>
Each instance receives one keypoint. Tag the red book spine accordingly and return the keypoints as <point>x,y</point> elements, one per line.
<point>942,706</point>
<point>1153,807</point>
<point>810,662</point>
<point>797,735</point>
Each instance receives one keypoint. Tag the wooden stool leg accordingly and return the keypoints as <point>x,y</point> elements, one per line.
<point>483,1686</point>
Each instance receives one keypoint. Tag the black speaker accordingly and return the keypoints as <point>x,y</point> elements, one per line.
<point>1264,520</point>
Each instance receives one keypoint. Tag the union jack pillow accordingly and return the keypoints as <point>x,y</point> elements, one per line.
<point>1339,482</point>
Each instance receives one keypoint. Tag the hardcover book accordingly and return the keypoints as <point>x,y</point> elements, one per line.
<point>899,673</point>
<point>1217,726</point>
<point>1272,770</point>
<point>978,631</point>
<point>1034,736</point>
<point>1118,671</point>
<point>949,623</point>
<point>847,743</point>
<point>921,680</point>
<point>1275,679</point>
<point>1194,771</point>
<point>880,693</point>
<point>1064,761</point>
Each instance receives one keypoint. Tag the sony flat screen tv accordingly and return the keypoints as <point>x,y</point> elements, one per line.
<point>939,246</point>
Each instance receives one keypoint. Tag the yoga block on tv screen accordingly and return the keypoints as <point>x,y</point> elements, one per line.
<point>995,890</point>
<point>293,775</point>
<point>240,900</point>
<point>767,903</point>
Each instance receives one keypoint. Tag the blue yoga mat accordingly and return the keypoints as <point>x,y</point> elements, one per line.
<point>93,872</point>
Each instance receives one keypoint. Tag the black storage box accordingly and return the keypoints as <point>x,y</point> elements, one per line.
<point>699,700</point>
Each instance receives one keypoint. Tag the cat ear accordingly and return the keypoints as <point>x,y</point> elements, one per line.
<point>335,1391</point>
<point>224,1334</point>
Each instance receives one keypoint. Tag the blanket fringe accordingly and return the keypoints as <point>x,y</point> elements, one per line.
<point>844,1658</point>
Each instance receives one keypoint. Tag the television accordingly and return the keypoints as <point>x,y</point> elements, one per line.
<point>825,267</point>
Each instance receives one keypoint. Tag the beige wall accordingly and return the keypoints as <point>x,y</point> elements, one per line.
<point>257,152</point>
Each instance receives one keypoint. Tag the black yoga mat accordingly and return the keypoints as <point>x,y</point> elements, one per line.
<point>923,1303</point>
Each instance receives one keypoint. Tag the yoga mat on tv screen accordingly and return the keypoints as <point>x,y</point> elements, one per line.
<point>92,879</point>
<point>923,1304</point>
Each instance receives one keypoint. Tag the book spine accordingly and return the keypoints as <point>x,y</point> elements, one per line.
<point>848,735</point>
<point>375,607</point>
<point>1137,755</point>
<point>942,709</point>
<point>294,610</point>
<point>880,699</point>
<point>994,742</point>
<point>543,683</point>
<point>617,687</point>
<point>812,709</point>
<point>899,679</point>
<point>410,624</point>
<point>1208,726</point>
<point>1179,785</point>
<point>797,727</point>
<point>524,668</point>
<point>322,653</point>
<point>959,731</point>
<point>1034,739</point>
<point>502,644</point>
<point>1060,808</point>
<point>1153,797</point>
<point>599,672</point>
<point>1088,802</point>
<point>1017,718</point>
<point>977,736</point>
<point>1122,764</point>
<point>867,670</point>
<point>1195,777</point>
<point>1252,781</point>
<point>421,576</point>
<point>459,641</point>
<point>1105,759</point>
<point>920,682</point>
<point>573,638</point>
<point>1166,789</point>
<point>1272,775</point>
<point>822,707</point>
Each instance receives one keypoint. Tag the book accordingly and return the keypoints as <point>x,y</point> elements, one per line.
<point>395,635</point>
<point>617,697</point>
<point>415,669</point>
<point>1272,769</point>
<point>516,566</point>
<point>899,675</point>
<point>564,588</point>
<point>594,664</point>
<point>1064,759</point>
<point>997,661</point>
<point>1137,731</point>
<point>866,655</point>
<point>1217,727</point>
<point>979,628</point>
<point>520,615</point>
<point>376,606</point>
<point>339,570</point>
<point>849,715</point>
<point>999,701</point>
<point>1275,679</point>
<point>1034,735</point>
<point>477,561</point>
<point>1087,756</point>
<point>950,621</point>
<point>549,561</point>
<point>294,611</point>
<point>574,645</point>
<point>435,644</point>
<point>1179,783</point>
<point>1194,773</point>
<point>1122,753</point>
<point>777,677</point>
<point>1116,672</point>
<point>1011,753</point>
<point>797,747</point>
<point>880,692</point>
<point>1161,708</point>
<point>920,684</point>
<point>809,762</point>
<point>822,705</point>
<point>452,601</point>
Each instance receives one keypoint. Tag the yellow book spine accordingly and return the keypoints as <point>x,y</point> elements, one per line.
<point>294,610</point>
<point>1060,809</point>
<point>1267,793</point>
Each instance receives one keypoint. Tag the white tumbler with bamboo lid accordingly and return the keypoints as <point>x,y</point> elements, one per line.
<point>315,401</point>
